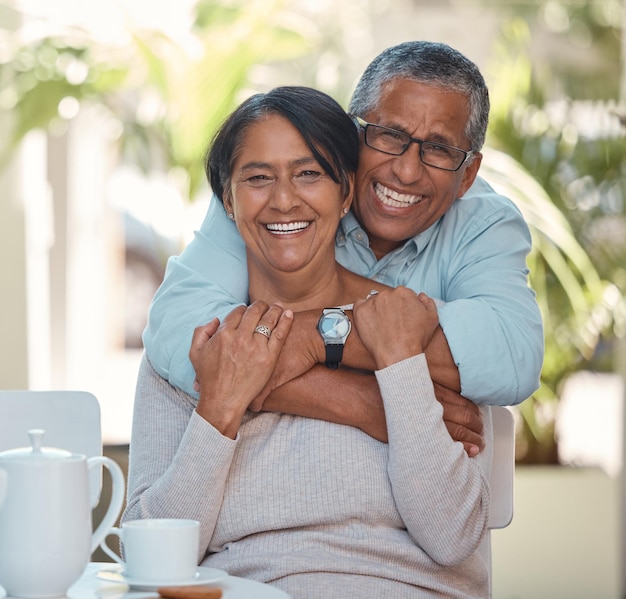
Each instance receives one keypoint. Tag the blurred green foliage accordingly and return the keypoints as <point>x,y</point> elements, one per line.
<point>555,156</point>
<point>168,99</point>
<point>561,125</point>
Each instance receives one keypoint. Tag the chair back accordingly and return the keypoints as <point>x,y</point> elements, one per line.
<point>70,419</point>
<point>502,474</point>
<point>501,479</point>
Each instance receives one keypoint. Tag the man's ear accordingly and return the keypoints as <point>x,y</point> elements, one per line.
<point>470,173</point>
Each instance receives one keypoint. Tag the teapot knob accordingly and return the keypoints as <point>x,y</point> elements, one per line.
<point>36,439</point>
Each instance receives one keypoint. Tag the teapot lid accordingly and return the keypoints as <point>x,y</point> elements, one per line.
<point>35,451</point>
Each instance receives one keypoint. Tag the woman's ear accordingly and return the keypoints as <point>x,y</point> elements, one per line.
<point>228,204</point>
<point>349,193</point>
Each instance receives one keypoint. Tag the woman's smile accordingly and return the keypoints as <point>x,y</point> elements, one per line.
<point>287,228</point>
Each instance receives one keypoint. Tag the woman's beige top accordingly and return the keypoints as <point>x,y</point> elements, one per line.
<point>319,509</point>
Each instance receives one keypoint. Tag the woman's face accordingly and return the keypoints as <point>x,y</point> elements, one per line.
<point>286,207</point>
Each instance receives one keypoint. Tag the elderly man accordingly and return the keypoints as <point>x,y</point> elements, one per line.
<point>421,219</point>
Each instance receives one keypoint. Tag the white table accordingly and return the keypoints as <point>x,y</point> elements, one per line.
<point>90,587</point>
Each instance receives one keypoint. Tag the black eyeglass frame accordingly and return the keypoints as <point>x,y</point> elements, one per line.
<point>467,154</point>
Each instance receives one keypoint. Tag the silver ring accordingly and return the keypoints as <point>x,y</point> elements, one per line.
<point>263,330</point>
<point>371,293</point>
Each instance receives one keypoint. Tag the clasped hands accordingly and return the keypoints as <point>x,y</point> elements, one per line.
<point>238,367</point>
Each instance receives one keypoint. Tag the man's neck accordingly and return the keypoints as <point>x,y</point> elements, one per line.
<point>382,247</point>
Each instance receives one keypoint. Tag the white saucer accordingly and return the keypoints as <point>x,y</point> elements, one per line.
<point>203,576</point>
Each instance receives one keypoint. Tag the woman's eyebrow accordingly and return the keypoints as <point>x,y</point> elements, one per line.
<point>254,164</point>
<point>303,161</point>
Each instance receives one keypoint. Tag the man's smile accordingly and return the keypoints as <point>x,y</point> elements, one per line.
<point>392,198</point>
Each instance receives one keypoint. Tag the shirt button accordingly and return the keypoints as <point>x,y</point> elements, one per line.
<point>359,236</point>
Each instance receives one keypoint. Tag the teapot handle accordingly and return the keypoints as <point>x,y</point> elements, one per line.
<point>117,498</point>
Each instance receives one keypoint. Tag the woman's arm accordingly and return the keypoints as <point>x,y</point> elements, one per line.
<point>441,493</point>
<point>181,450</point>
<point>178,461</point>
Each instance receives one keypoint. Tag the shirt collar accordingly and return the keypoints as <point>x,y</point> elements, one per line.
<point>350,225</point>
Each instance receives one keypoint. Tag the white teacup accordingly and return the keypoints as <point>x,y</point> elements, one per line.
<point>158,551</point>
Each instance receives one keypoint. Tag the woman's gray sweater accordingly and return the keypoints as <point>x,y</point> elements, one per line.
<point>316,508</point>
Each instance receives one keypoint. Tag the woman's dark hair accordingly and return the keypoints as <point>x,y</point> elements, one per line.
<point>328,131</point>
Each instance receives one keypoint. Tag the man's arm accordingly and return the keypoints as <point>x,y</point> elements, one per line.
<point>342,396</point>
<point>209,279</point>
<point>490,317</point>
<point>347,397</point>
<point>304,346</point>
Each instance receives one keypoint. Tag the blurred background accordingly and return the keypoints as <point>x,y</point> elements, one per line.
<point>106,108</point>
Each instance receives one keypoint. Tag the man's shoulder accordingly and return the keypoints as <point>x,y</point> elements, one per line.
<point>478,210</point>
<point>482,192</point>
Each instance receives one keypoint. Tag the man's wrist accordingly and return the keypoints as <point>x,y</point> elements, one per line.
<point>319,348</point>
<point>305,323</point>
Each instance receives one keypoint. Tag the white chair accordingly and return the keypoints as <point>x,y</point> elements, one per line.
<point>501,478</point>
<point>70,419</point>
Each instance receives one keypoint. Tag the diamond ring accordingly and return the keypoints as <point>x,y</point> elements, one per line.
<point>263,330</point>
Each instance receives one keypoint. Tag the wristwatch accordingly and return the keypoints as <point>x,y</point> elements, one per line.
<point>334,327</point>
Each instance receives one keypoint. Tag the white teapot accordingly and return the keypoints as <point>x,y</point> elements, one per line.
<point>46,535</point>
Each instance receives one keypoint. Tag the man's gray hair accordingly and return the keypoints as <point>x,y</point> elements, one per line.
<point>431,63</point>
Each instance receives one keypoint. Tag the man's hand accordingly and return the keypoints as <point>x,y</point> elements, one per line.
<point>462,418</point>
<point>395,324</point>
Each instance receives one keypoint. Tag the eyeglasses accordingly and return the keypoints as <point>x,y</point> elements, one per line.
<point>391,141</point>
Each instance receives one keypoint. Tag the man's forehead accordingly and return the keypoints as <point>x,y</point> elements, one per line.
<point>403,101</point>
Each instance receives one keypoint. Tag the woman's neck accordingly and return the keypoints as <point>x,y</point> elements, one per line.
<point>301,290</point>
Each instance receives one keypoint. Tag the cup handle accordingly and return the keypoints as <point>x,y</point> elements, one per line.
<point>115,505</point>
<point>103,544</point>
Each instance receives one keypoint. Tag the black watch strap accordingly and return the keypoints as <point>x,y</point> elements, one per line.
<point>334,353</point>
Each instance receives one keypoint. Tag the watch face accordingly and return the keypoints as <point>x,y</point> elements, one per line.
<point>334,326</point>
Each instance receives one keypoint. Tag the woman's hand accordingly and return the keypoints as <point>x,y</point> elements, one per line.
<point>234,360</point>
<point>395,324</point>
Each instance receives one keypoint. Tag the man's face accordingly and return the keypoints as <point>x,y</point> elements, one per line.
<point>398,197</point>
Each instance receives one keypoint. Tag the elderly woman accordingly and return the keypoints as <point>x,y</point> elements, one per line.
<point>316,508</point>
